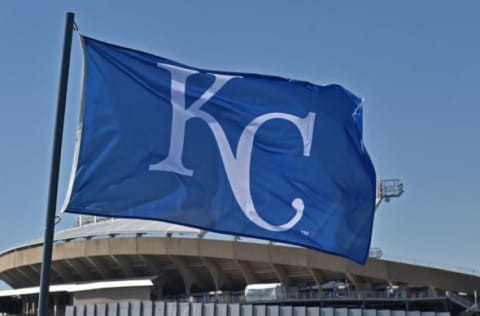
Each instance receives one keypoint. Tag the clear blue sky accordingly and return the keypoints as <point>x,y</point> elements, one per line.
<point>416,64</point>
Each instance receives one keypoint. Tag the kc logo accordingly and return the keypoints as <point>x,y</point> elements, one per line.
<point>237,165</point>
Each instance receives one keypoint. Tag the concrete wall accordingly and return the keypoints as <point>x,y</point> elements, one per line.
<point>148,308</point>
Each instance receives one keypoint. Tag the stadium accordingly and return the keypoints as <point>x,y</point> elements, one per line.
<point>133,267</point>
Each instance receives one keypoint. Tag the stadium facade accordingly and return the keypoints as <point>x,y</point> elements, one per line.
<point>101,264</point>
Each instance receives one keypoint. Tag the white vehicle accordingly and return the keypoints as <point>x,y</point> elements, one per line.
<point>263,292</point>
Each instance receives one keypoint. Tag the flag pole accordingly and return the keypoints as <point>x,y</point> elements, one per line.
<point>55,168</point>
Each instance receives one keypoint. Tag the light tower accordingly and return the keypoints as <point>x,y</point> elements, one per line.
<point>388,189</point>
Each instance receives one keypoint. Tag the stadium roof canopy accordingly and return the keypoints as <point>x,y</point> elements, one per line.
<point>80,287</point>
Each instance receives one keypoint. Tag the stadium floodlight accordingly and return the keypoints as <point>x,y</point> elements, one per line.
<point>375,252</point>
<point>388,189</point>
<point>82,220</point>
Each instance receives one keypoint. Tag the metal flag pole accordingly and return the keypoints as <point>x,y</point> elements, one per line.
<point>55,168</point>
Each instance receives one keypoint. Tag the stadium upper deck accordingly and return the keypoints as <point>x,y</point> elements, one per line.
<point>186,262</point>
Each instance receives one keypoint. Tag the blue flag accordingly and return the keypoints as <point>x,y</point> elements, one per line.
<point>234,153</point>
